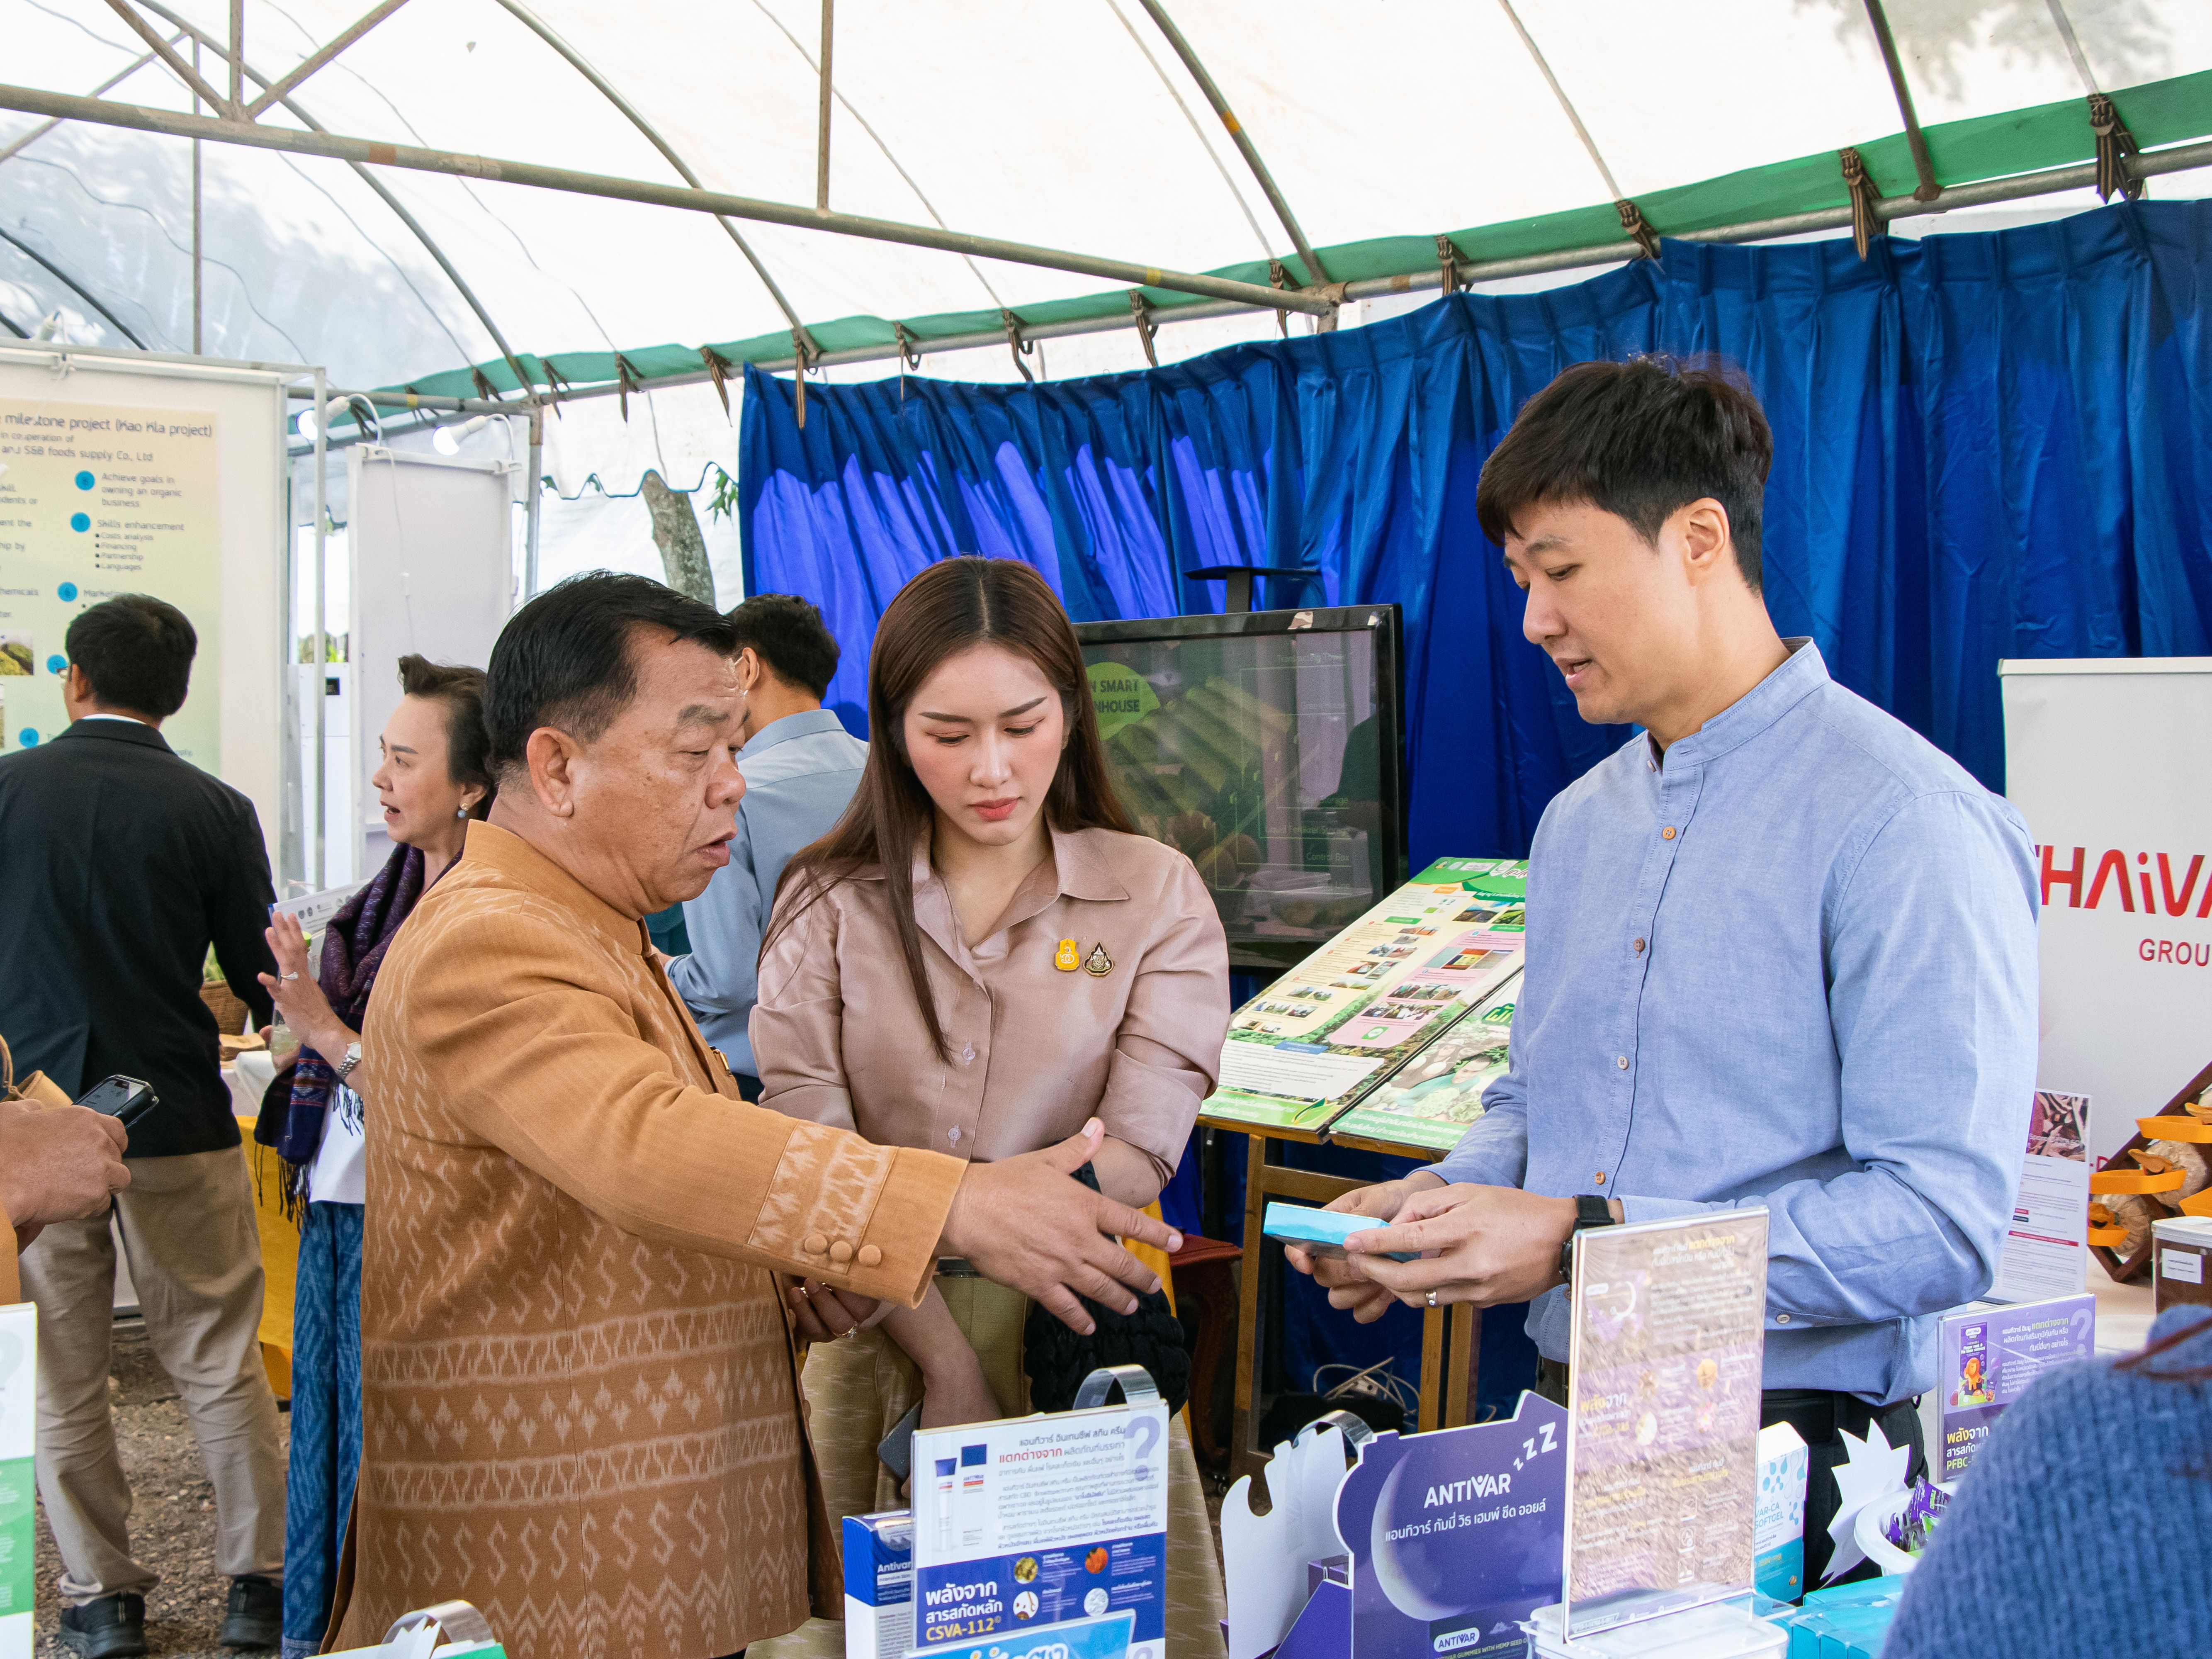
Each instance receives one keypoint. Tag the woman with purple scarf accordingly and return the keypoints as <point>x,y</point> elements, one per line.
<point>433,781</point>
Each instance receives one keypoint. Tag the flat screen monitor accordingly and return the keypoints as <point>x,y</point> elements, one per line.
<point>1265,745</point>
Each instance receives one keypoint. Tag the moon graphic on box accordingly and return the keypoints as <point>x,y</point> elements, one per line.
<point>1426,1578</point>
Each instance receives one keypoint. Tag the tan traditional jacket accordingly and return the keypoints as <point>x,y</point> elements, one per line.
<point>578,1383</point>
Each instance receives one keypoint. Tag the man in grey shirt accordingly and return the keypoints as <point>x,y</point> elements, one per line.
<point>800,767</point>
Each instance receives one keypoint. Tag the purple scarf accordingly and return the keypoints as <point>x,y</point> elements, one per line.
<point>353,950</point>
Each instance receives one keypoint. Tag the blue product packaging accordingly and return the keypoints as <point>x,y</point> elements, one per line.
<point>1848,1621</point>
<point>878,1585</point>
<point>1321,1233</point>
<point>1779,1513</point>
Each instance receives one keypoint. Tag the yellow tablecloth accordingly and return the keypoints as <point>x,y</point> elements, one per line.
<point>280,1260</point>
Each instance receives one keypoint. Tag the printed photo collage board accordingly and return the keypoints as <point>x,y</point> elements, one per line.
<point>1391,1030</point>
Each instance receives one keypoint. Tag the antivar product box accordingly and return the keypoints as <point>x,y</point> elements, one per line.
<point>879,1584</point>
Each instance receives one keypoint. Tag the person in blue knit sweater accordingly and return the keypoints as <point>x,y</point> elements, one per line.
<point>2085,1525</point>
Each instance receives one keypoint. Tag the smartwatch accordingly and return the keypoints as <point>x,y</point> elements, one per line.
<point>351,1059</point>
<point>1592,1210</point>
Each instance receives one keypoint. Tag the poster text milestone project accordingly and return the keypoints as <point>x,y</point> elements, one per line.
<point>1666,1355</point>
<point>97,499</point>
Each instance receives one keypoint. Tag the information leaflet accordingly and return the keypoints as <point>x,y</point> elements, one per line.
<point>1321,1037</point>
<point>1990,1354</point>
<point>2046,1248</point>
<point>97,500</point>
<point>1431,1099</point>
<point>1666,1353</point>
<point>1041,1521</point>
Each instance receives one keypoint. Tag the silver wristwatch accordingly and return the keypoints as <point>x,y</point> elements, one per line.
<point>351,1059</point>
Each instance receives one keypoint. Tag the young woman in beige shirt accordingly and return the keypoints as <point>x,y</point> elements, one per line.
<point>981,956</point>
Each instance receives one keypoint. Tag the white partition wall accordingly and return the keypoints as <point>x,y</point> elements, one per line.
<point>432,545</point>
<point>2107,761</point>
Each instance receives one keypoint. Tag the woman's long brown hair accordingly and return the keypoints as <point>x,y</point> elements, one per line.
<point>952,606</point>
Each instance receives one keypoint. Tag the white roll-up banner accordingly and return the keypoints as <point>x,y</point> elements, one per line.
<point>2111,762</point>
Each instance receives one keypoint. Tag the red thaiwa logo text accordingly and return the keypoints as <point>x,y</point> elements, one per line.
<point>2112,876</point>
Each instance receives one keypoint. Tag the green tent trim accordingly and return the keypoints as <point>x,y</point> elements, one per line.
<point>2159,113</point>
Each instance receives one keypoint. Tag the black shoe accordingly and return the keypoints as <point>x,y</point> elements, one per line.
<point>113,1627</point>
<point>255,1618</point>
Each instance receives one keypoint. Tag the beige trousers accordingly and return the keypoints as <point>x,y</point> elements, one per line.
<point>188,1228</point>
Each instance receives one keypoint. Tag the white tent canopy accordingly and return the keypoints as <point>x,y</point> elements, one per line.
<point>1071,125</point>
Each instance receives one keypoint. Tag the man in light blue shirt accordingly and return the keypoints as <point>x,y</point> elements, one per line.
<point>800,767</point>
<point>1781,950</point>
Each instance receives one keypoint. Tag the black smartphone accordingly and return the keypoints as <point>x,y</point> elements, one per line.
<point>896,1451</point>
<point>126,1099</point>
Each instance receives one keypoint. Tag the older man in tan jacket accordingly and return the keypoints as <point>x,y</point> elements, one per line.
<point>578,1401</point>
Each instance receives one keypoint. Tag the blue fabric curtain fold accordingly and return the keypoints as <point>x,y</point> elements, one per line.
<point>1986,446</point>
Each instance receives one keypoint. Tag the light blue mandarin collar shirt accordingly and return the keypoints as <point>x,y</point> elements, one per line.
<point>801,771</point>
<point>1795,965</point>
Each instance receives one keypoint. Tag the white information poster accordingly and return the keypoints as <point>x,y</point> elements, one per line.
<point>1039,1521</point>
<point>2105,760</point>
<point>2046,1249</point>
<point>97,499</point>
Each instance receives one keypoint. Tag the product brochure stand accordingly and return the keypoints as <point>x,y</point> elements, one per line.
<point>2114,1175</point>
<point>1450,1336</point>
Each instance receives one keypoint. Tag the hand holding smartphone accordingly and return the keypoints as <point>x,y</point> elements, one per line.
<point>126,1099</point>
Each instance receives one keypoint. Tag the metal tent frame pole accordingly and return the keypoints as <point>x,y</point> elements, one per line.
<point>102,112</point>
<point>531,508</point>
<point>2180,158</point>
<point>316,681</point>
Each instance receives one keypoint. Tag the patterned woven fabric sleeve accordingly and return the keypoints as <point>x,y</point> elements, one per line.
<point>532,1039</point>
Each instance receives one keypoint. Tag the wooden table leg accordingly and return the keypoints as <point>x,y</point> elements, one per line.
<point>1432,1368</point>
<point>1245,1457</point>
<point>1465,1350</point>
<point>1263,1180</point>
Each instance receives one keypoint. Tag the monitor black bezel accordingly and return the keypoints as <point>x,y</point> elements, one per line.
<point>1387,627</point>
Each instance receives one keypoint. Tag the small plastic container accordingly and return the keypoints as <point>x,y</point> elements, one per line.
<point>1719,1630</point>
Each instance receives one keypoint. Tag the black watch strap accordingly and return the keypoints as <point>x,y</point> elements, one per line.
<point>1592,1210</point>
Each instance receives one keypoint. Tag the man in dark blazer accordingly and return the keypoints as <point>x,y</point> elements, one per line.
<point>120,864</point>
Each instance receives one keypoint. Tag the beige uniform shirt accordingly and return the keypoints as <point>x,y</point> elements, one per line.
<point>1037,1046</point>
<point>578,1401</point>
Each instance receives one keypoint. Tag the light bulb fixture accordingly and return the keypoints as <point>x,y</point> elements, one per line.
<point>447,440</point>
<point>363,413</point>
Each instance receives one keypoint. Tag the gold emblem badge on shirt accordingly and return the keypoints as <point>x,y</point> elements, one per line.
<point>1098,964</point>
<point>1066,958</point>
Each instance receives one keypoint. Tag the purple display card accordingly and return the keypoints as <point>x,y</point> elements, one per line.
<point>1456,1535</point>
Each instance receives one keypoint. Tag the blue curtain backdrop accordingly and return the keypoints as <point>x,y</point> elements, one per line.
<point>1986,446</point>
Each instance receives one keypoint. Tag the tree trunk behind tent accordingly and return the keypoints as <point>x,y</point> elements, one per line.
<point>676,533</point>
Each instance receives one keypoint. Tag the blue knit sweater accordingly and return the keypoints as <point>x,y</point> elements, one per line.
<point>2085,1524</point>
